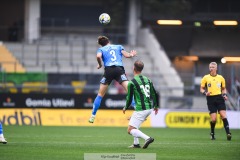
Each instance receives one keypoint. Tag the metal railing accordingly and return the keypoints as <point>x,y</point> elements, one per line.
<point>13,64</point>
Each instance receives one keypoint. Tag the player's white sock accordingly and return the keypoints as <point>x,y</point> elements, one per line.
<point>1,136</point>
<point>135,140</point>
<point>138,133</point>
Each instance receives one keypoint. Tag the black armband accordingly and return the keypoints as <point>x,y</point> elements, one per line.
<point>224,94</point>
<point>204,93</point>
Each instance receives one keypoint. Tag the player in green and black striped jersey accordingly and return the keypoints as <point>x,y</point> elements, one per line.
<point>142,89</point>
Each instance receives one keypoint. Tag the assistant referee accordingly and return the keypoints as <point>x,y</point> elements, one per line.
<point>214,88</point>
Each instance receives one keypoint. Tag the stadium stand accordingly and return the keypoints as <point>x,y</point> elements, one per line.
<point>76,56</point>
<point>8,62</point>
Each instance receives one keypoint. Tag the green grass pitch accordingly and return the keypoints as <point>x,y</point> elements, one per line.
<point>70,143</point>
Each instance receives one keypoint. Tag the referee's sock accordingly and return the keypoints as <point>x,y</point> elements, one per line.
<point>212,126</point>
<point>226,125</point>
<point>96,104</point>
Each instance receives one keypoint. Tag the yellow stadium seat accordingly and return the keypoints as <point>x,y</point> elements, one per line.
<point>78,86</point>
<point>28,87</point>
<point>8,62</point>
<point>9,87</point>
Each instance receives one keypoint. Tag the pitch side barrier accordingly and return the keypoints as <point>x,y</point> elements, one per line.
<point>113,118</point>
<point>64,101</point>
<point>61,110</point>
<point>74,110</point>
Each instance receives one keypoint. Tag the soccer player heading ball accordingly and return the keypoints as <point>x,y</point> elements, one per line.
<point>111,57</point>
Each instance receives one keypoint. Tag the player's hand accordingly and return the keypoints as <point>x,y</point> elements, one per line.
<point>99,66</point>
<point>133,53</point>
<point>225,97</point>
<point>124,110</point>
<point>208,93</point>
<point>156,111</point>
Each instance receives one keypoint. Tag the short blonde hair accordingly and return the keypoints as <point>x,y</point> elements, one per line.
<point>213,63</point>
<point>138,66</point>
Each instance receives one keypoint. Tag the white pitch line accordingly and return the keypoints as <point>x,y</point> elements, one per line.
<point>160,143</point>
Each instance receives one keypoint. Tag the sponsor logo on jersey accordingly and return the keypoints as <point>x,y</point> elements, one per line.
<point>123,77</point>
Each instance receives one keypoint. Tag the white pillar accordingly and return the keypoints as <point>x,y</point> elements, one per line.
<point>32,16</point>
<point>133,22</point>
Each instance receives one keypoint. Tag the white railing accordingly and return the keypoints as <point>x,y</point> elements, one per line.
<point>162,63</point>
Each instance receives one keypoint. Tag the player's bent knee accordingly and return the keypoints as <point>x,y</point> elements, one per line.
<point>130,128</point>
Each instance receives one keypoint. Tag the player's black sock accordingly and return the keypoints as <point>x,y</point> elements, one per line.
<point>226,125</point>
<point>212,126</point>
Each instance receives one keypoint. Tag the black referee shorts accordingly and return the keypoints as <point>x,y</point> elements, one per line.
<point>113,73</point>
<point>215,103</point>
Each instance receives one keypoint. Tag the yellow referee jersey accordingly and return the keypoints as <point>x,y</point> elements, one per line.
<point>214,84</point>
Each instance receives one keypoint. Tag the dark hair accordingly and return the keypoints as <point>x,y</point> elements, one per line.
<point>138,66</point>
<point>103,40</point>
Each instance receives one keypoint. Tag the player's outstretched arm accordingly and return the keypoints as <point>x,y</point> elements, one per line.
<point>130,54</point>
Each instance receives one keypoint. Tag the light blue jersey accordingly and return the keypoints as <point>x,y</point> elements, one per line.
<point>111,55</point>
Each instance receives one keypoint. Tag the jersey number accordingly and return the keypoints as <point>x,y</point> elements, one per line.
<point>113,53</point>
<point>146,90</point>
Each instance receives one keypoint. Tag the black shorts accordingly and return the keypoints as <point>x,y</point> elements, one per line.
<point>215,103</point>
<point>113,73</point>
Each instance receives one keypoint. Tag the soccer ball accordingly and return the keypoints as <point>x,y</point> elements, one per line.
<point>104,18</point>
